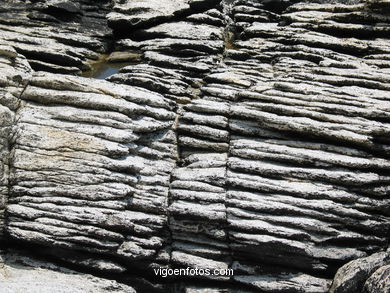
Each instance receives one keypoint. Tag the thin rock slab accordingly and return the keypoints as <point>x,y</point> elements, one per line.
<point>24,274</point>
<point>287,283</point>
<point>379,282</point>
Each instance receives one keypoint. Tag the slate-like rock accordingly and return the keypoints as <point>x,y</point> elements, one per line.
<point>20,273</point>
<point>56,36</point>
<point>129,14</point>
<point>241,136</point>
<point>355,274</point>
<point>14,76</point>
<point>379,281</point>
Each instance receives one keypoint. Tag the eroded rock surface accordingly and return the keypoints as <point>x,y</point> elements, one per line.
<point>352,276</point>
<point>246,135</point>
<point>91,167</point>
<point>56,36</point>
<point>14,75</point>
<point>23,274</point>
<point>379,281</point>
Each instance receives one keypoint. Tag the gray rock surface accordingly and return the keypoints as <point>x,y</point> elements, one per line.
<point>24,274</point>
<point>102,154</point>
<point>130,14</point>
<point>56,36</point>
<point>352,276</point>
<point>244,135</point>
<point>14,75</point>
<point>379,281</point>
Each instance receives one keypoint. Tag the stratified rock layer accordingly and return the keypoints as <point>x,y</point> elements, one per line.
<point>244,136</point>
<point>379,281</point>
<point>56,36</point>
<point>91,167</point>
<point>23,274</point>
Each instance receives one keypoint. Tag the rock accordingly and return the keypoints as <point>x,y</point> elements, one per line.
<point>65,6</point>
<point>14,76</point>
<point>171,83</point>
<point>379,281</point>
<point>58,36</point>
<point>179,46</point>
<point>9,52</point>
<point>247,137</point>
<point>112,166</point>
<point>288,283</point>
<point>124,57</point>
<point>184,30</point>
<point>24,273</point>
<point>353,276</point>
<point>131,14</point>
<point>127,13</point>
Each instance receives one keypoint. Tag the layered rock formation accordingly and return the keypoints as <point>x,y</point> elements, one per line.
<point>22,274</point>
<point>14,76</point>
<point>56,36</point>
<point>244,135</point>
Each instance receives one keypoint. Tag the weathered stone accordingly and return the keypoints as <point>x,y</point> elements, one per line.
<point>352,276</point>
<point>379,281</point>
<point>14,75</point>
<point>20,273</point>
<point>240,136</point>
<point>66,6</point>
<point>127,13</point>
<point>287,283</point>
<point>76,33</point>
<point>124,57</point>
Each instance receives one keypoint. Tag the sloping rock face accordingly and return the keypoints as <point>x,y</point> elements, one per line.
<point>248,135</point>
<point>19,273</point>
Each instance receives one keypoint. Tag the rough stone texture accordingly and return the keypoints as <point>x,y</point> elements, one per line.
<point>14,75</point>
<point>352,276</point>
<point>56,36</point>
<point>379,281</point>
<point>129,14</point>
<point>258,188</point>
<point>91,168</point>
<point>24,274</point>
<point>178,53</point>
<point>250,135</point>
